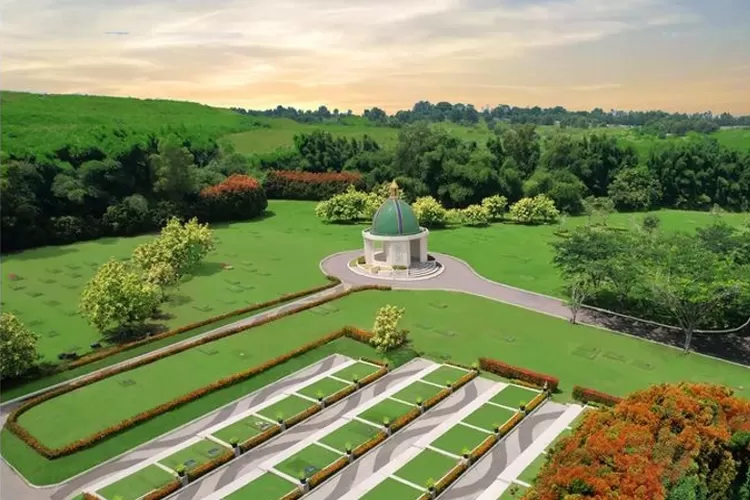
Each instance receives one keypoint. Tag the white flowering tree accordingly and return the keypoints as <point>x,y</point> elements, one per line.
<point>386,334</point>
<point>179,249</point>
<point>429,211</point>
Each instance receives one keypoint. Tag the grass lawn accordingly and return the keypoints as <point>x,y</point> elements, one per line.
<point>444,374</point>
<point>308,461</point>
<point>286,408</point>
<point>417,390</point>
<point>269,486</point>
<point>195,455</point>
<point>427,465</point>
<point>243,429</point>
<point>41,471</point>
<point>488,416</point>
<point>514,492</point>
<point>358,370</point>
<point>390,489</point>
<point>513,395</point>
<point>137,485</point>
<point>460,437</point>
<point>529,473</point>
<point>324,387</point>
<point>388,408</point>
<point>354,433</point>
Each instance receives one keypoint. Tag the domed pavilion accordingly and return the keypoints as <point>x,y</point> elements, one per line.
<point>395,241</point>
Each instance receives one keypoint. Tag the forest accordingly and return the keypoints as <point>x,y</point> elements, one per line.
<point>77,167</point>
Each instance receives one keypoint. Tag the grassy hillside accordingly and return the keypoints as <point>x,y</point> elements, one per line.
<point>83,120</point>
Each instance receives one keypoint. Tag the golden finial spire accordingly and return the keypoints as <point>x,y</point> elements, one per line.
<point>394,189</point>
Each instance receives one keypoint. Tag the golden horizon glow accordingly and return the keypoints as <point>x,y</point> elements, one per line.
<point>356,54</point>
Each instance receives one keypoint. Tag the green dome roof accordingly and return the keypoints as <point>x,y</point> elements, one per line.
<point>394,218</point>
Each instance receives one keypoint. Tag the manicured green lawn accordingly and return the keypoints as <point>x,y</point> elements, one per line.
<point>137,485</point>
<point>353,433</point>
<point>358,370</point>
<point>445,374</point>
<point>513,395</point>
<point>286,408</point>
<point>458,438</point>
<point>488,416</point>
<point>195,455</point>
<point>269,486</point>
<point>243,429</point>
<point>323,387</point>
<point>41,471</point>
<point>388,408</point>
<point>417,390</point>
<point>529,473</point>
<point>427,465</point>
<point>514,492</point>
<point>308,461</point>
<point>390,489</point>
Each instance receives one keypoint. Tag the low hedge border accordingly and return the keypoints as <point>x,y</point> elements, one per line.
<point>105,353</point>
<point>370,444</point>
<point>514,372</point>
<point>586,395</point>
<point>292,495</point>
<point>204,469</point>
<point>338,396</point>
<point>327,472</point>
<point>299,417</point>
<point>52,453</point>
<point>261,438</point>
<point>164,491</point>
<point>450,477</point>
<point>536,401</point>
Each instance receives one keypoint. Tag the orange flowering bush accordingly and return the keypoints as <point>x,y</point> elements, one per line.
<point>684,437</point>
<point>483,448</point>
<point>465,379</point>
<point>405,419</point>
<point>238,197</point>
<point>327,472</point>
<point>292,495</point>
<point>516,373</point>
<point>204,469</point>
<point>449,478</point>
<point>510,423</point>
<point>593,396</point>
<point>338,396</point>
<point>430,402</point>
<point>373,376</point>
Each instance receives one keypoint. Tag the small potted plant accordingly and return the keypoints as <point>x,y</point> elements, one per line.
<point>496,429</point>
<point>321,395</point>
<point>280,420</point>
<point>430,483</point>
<point>465,455</point>
<point>449,385</point>
<point>349,451</point>
<point>182,474</point>
<point>303,482</point>
<point>420,404</point>
<point>475,366</point>
<point>235,446</point>
<point>387,425</point>
<point>522,406</point>
<point>355,380</point>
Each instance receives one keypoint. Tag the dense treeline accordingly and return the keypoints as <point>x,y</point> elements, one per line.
<point>654,122</point>
<point>516,162</point>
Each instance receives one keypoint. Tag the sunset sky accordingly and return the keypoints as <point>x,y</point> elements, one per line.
<point>677,55</point>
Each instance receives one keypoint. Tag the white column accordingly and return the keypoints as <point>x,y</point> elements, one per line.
<point>368,251</point>
<point>423,249</point>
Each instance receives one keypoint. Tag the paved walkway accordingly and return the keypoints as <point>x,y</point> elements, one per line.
<point>458,276</point>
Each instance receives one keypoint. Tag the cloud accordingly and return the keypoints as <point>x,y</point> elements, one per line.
<point>358,52</point>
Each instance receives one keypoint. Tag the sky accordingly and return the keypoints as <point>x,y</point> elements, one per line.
<point>676,55</point>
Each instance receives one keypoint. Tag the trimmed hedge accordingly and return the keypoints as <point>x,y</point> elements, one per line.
<point>104,353</point>
<point>310,411</point>
<point>261,438</point>
<point>370,444</point>
<point>483,448</point>
<point>338,396</point>
<point>238,197</point>
<point>536,401</point>
<point>514,372</point>
<point>52,453</point>
<point>327,472</point>
<point>292,495</point>
<point>164,491</point>
<point>405,419</point>
<point>586,395</point>
<point>293,185</point>
<point>204,469</point>
<point>451,477</point>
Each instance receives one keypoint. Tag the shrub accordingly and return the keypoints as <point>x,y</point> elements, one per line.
<point>386,335</point>
<point>495,206</point>
<point>514,372</point>
<point>312,410</point>
<point>535,401</point>
<point>405,419</point>
<point>449,478</point>
<point>586,395</point>
<point>338,396</point>
<point>238,197</point>
<point>370,444</point>
<point>291,185</point>
<point>432,401</point>
<point>429,212</point>
<point>161,492</point>
<point>373,376</point>
<point>483,447</point>
<point>207,467</point>
<point>454,216</point>
<point>534,210</point>
<point>292,495</point>
<point>476,215</point>
<point>327,472</point>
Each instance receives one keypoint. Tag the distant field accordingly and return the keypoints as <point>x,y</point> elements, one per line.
<point>281,134</point>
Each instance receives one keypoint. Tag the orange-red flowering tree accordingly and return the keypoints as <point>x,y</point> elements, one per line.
<point>686,441</point>
<point>238,197</point>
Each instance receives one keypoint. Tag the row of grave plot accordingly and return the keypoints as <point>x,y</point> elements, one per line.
<point>422,472</point>
<point>158,473</point>
<point>288,474</point>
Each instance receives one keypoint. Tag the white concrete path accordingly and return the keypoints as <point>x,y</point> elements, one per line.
<point>511,473</point>
<point>269,465</point>
<point>424,443</point>
<point>207,433</point>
